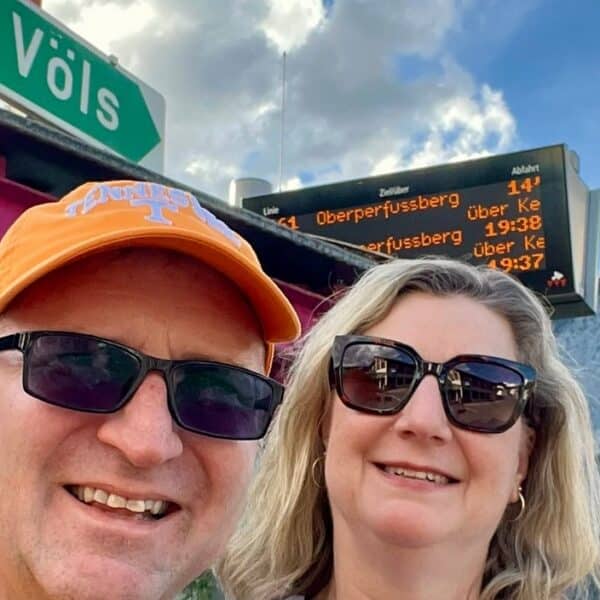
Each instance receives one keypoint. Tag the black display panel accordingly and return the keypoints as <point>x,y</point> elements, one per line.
<point>509,211</point>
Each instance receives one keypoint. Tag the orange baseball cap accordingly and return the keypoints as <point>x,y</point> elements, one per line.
<point>99,216</point>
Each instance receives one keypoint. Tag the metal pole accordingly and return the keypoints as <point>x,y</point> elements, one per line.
<point>282,121</point>
<point>592,261</point>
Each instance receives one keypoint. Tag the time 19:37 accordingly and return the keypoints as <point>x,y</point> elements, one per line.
<point>525,262</point>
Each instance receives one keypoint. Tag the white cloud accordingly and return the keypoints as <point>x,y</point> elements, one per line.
<point>289,22</point>
<point>466,127</point>
<point>350,111</point>
<point>210,169</point>
<point>388,164</point>
<point>294,183</point>
<point>103,24</point>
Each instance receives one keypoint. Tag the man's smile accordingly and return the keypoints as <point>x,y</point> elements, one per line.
<point>135,507</point>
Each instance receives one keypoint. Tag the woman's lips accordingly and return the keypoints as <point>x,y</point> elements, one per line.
<point>417,473</point>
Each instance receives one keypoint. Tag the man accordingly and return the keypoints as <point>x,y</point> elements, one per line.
<point>135,333</point>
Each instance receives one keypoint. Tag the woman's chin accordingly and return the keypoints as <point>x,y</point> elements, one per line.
<point>410,529</point>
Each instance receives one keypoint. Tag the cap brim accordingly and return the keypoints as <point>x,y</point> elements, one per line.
<point>279,320</point>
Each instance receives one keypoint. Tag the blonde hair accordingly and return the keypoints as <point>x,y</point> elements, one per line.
<point>284,544</point>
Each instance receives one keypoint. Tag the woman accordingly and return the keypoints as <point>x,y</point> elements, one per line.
<point>431,446</point>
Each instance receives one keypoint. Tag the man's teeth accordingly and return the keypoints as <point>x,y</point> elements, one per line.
<point>424,475</point>
<point>89,494</point>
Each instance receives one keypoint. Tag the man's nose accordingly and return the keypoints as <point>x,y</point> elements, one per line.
<point>423,417</point>
<point>143,430</point>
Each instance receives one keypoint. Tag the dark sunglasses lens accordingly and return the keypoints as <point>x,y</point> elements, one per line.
<point>223,401</point>
<point>79,372</point>
<point>483,396</point>
<point>376,378</point>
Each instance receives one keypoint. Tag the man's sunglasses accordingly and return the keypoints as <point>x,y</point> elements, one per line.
<point>91,374</point>
<point>479,393</point>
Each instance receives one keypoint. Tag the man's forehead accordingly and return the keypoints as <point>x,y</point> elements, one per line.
<point>165,285</point>
<point>113,260</point>
<point>115,264</point>
<point>114,271</point>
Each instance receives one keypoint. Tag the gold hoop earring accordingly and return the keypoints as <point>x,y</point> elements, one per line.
<point>313,469</point>
<point>522,509</point>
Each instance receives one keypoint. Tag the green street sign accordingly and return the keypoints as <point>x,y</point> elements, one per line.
<point>48,70</point>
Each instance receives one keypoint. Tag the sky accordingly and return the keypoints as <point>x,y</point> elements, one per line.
<point>372,86</point>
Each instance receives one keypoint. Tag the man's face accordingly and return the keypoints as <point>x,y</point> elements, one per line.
<point>51,543</point>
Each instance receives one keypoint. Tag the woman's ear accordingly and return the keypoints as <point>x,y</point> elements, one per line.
<point>526,446</point>
<point>325,422</point>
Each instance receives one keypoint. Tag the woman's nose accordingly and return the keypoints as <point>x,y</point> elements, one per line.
<point>423,417</point>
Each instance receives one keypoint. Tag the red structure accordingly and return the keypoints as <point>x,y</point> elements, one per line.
<point>15,198</point>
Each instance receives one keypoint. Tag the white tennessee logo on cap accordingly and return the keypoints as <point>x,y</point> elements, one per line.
<point>154,196</point>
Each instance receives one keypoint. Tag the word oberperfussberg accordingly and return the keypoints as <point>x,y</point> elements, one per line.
<point>387,209</point>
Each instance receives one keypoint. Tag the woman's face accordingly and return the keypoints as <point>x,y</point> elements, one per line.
<point>374,464</point>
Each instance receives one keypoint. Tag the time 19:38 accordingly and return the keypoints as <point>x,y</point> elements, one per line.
<point>518,225</point>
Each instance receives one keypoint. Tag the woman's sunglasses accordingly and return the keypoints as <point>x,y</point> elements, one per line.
<point>91,374</point>
<point>479,393</point>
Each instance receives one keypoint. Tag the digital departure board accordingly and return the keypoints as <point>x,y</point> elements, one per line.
<point>525,213</point>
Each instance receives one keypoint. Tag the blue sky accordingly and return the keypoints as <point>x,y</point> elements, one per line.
<point>547,64</point>
<point>372,87</point>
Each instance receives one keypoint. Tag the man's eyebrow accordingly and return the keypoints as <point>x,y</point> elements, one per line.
<point>239,360</point>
